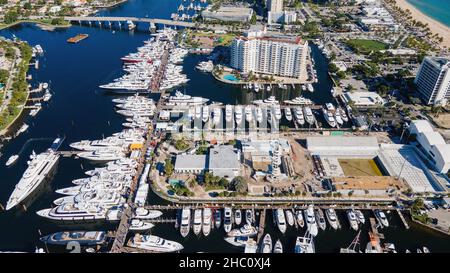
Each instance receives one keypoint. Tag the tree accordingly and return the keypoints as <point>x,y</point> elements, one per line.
<point>11,16</point>
<point>253,19</point>
<point>168,168</point>
<point>239,184</point>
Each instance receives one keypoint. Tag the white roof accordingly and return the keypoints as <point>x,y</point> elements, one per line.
<point>190,162</point>
<point>341,141</point>
<point>421,126</point>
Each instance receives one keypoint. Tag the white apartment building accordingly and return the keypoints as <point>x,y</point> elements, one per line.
<point>283,56</point>
<point>275,5</point>
<point>284,17</point>
<point>433,80</point>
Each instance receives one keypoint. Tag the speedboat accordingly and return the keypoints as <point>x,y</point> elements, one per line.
<point>154,243</point>
<point>360,216</point>
<point>280,220</point>
<point>352,219</point>
<point>246,230</point>
<point>267,244</point>
<point>207,220</point>
<point>249,216</point>
<point>311,220</point>
<point>197,225</point>
<point>290,217</point>
<point>320,218</point>
<point>238,217</point>
<point>381,218</point>
<point>288,113</point>
<point>278,248</point>
<point>305,244</point>
<point>299,218</point>
<point>185,222</point>
<point>143,213</point>
<point>85,238</point>
<point>11,160</point>
<point>332,218</point>
<point>227,221</point>
<point>139,225</point>
<point>217,218</point>
<point>248,113</point>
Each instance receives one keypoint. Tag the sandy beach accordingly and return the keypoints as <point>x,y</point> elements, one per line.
<point>435,26</point>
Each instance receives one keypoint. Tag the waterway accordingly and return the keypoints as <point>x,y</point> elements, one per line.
<point>436,9</point>
<point>80,110</point>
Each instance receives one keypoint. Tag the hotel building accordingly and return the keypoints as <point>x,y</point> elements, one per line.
<point>433,80</point>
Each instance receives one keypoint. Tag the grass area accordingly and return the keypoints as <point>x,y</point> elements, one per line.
<point>220,39</point>
<point>366,46</point>
<point>360,167</point>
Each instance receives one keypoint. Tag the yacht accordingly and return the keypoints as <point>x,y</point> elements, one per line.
<point>267,244</point>
<point>288,113</point>
<point>259,115</point>
<point>74,212</point>
<point>280,220</point>
<point>320,219</point>
<point>332,218</point>
<point>239,241</point>
<point>185,222</point>
<point>205,113</point>
<point>143,213</point>
<point>139,225</point>
<point>277,111</point>
<point>278,248</point>
<point>425,250</point>
<point>207,220</point>
<point>39,168</point>
<point>329,117</point>
<point>299,218</point>
<point>104,155</point>
<point>217,218</point>
<point>22,129</point>
<point>198,112</point>
<point>246,230</point>
<point>197,225</point>
<point>338,118</point>
<point>227,221</point>
<point>298,114</point>
<point>154,243</point>
<point>237,217</point>
<point>184,100</point>
<point>305,244</point>
<point>381,217</point>
<point>360,216</point>
<point>269,101</point>
<point>299,101</point>
<point>238,114</point>
<point>85,238</point>
<point>352,219</point>
<point>217,115</point>
<point>251,246</point>
<point>290,217</point>
<point>310,87</point>
<point>248,113</point>
<point>311,220</point>
<point>343,114</point>
<point>309,117</point>
<point>11,160</point>
<point>228,112</point>
<point>249,216</point>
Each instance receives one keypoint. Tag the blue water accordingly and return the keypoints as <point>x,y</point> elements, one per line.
<point>436,9</point>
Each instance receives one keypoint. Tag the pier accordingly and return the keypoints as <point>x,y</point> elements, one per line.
<point>405,223</point>
<point>262,224</point>
<point>374,227</point>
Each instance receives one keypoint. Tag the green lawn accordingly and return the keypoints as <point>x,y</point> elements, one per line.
<point>366,46</point>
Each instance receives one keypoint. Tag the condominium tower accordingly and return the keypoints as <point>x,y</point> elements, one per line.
<point>433,80</point>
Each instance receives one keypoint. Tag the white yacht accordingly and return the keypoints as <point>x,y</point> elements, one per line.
<point>332,218</point>
<point>198,112</point>
<point>183,100</point>
<point>288,113</point>
<point>227,221</point>
<point>11,160</point>
<point>185,222</point>
<point>239,241</point>
<point>299,117</point>
<point>39,167</point>
<point>74,212</point>
<point>246,230</point>
<point>217,115</point>
<point>269,101</point>
<point>249,216</point>
<point>305,244</point>
<point>310,87</point>
<point>102,155</point>
<point>280,220</point>
<point>320,219</point>
<point>381,217</point>
<point>329,117</point>
<point>143,213</point>
<point>338,118</point>
<point>237,217</point>
<point>139,225</point>
<point>277,111</point>
<point>299,218</point>
<point>299,101</point>
<point>290,217</point>
<point>228,112</point>
<point>343,114</point>
<point>278,248</point>
<point>267,244</point>
<point>197,224</point>
<point>154,243</point>
<point>360,216</point>
<point>207,221</point>
<point>217,218</point>
<point>259,115</point>
<point>352,219</point>
<point>238,114</point>
<point>251,246</point>
<point>248,113</point>
<point>309,117</point>
<point>311,220</point>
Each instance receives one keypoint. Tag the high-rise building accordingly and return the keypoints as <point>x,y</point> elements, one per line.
<point>433,80</point>
<point>283,56</point>
<point>275,5</point>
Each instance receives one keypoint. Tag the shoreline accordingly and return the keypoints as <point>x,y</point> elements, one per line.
<point>434,25</point>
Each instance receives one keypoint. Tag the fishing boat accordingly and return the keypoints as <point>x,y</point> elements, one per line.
<point>227,221</point>
<point>197,224</point>
<point>280,220</point>
<point>207,220</point>
<point>299,218</point>
<point>185,222</point>
<point>278,248</point>
<point>290,217</point>
<point>267,244</point>
<point>352,219</point>
<point>332,218</point>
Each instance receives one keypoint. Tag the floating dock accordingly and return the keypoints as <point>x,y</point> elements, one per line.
<point>77,38</point>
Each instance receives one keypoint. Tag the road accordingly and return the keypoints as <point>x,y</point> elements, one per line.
<point>13,72</point>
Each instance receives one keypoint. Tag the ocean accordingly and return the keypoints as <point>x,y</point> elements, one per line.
<point>436,9</point>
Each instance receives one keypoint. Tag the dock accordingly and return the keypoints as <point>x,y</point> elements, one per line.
<point>77,38</point>
<point>405,223</point>
<point>262,224</point>
<point>374,227</point>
